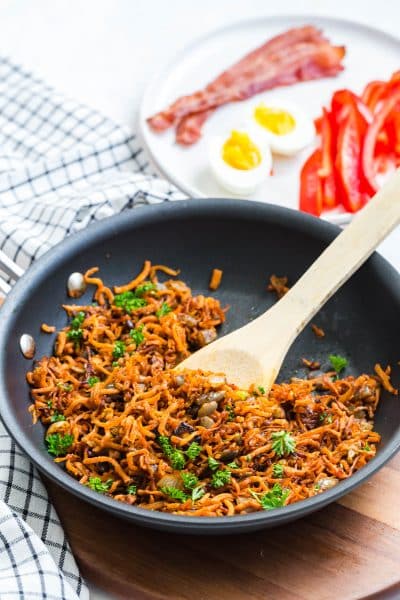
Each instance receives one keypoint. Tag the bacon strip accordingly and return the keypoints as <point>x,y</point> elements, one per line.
<point>297,55</point>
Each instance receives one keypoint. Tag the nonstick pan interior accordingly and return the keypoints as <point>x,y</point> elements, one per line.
<point>249,241</point>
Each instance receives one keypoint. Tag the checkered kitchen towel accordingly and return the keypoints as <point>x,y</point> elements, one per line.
<point>62,166</point>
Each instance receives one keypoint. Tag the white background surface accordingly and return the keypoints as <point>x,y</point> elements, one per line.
<point>103,52</point>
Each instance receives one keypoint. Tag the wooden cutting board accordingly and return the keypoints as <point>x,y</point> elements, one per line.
<point>349,550</point>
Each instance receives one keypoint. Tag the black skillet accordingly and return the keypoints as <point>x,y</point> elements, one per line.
<point>249,241</point>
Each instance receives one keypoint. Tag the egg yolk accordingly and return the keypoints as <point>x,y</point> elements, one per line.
<point>275,120</point>
<point>240,152</point>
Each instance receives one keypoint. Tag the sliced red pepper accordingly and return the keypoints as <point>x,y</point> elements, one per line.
<point>348,159</point>
<point>371,138</point>
<point>327,171</point>
<point>310,185</point>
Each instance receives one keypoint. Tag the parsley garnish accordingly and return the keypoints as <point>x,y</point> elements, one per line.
<point>193,451</point>
<point>144,288</point>
<point>76,332</point>
<point>58,444</point>
<point>57,417</point>
<point>164,310</point>
<point>338,362</point>
<point>92,381</point>
<point>131,489</point>
<point>190,480</point>
<point>366,448</point>
<point>220,478</point>
<point>49,403</point>
<point>197,493</point>
<point>77,320</point>
<point>283,443</point>
<point>96,484</point>
<point>174,493</point>
<point>176,457</point>
<point>278,470</point>
<point>75,335</point>
<point>119,349</point>
<point>325,417</point>
<point>68,387</point>
<point>232,465</point>
<point>129,301</point>
<point>231,412</point>
<point>137,335</point>
<point>261,389</point>
<point>212,463</point>
<point>272,499</point>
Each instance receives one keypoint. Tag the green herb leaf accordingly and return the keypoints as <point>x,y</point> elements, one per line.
<point>67,387</point>
<point>232,465</point>
<point>190,480</point>
<point>75,335</point>
<point>119,349</point>
<point>366,448</point>
<point>92,381</point>
<point>261,389</point>
<point>283,443</point>
<point>77,321</point>
<point>96,484</point>
<point>57,417</point>
<point>131,489</point>
<point>145,288</point>
<point>197,493</point>
<point>174,493</point>
<point>220,478</point>
<point>49,403</point>
<point>176,457</point>
<point>129,301</point>
<point>212,463</point>
<point>137,335</point>
<point>325,418</point>
<point>338,362</point>
<point>177,460</point>
<point>272,499</point>
<point>193,451</point>
<point>58,444</point>
<point>164,310</point>
<point>231,412</point>
<point>278,470</point>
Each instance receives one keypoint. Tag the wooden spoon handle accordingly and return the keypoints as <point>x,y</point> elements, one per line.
<point>341,258</point>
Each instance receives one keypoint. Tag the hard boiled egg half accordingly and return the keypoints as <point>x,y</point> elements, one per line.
<point>284,126</point>
<point>240,160</point>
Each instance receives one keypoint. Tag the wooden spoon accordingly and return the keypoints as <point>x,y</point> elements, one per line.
<point>254,353</point>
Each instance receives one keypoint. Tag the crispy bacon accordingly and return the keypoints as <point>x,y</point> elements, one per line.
<point>297,55</point>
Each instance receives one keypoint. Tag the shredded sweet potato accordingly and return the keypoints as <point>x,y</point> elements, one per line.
<point>278,285</point>
<point>319,332</point>
<point>216,277</point>
<point>119,419</point>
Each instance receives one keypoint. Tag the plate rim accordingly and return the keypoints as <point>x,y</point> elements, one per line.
<point>293,18</point>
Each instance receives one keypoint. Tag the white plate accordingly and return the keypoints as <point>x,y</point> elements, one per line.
<point>370,54</point>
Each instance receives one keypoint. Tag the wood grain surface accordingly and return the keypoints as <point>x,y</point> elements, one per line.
<point>347,551</point>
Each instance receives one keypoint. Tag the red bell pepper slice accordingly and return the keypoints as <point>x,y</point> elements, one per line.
<point>310,185</point>
<point>354,192</point>
<point>327,170</point>
<point>371,138</point>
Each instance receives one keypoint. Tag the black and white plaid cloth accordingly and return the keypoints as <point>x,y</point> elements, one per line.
<point>62,165</point>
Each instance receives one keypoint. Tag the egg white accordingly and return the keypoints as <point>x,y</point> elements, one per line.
<point>237,181</point>
<point>301,136</point>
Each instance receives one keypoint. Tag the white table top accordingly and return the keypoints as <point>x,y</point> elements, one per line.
<point>104,51</point>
